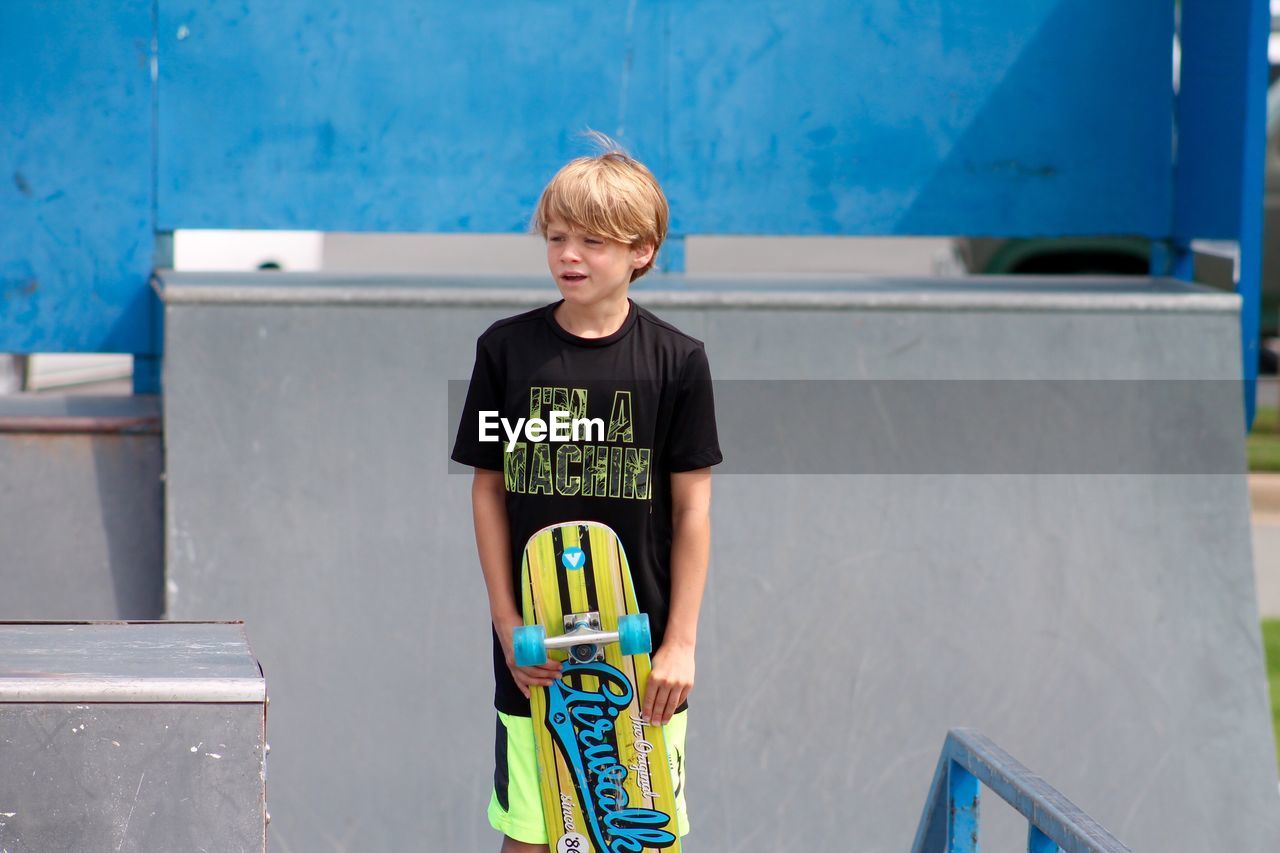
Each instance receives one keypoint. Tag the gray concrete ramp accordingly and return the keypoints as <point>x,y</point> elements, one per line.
<point>1015,504</point>
<point>82,497</point>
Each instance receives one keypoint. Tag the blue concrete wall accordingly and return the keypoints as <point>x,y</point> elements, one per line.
<point>885,117</point>
<point>1008,117</point>
<point>76,219</point>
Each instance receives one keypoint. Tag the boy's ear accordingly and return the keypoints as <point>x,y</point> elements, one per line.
<point>643,255</point>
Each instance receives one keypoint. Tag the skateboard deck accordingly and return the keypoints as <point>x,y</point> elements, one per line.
<point>606,784</point>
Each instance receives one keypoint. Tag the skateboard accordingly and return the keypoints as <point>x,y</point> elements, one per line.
<point>606,785</point>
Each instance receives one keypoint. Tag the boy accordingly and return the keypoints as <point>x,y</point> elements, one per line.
<point>596,355</point>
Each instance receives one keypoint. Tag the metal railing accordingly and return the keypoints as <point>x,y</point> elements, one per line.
<point>950,819</point>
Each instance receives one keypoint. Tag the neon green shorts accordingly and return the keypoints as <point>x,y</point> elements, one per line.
<point>515,807</point>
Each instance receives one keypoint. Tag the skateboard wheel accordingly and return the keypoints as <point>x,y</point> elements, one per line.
<point>633,634</point>
<point>528,644</point>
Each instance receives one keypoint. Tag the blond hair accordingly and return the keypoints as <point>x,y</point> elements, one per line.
<point>610,195</point>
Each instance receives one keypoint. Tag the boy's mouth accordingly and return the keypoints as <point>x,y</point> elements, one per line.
<point>573,276</point>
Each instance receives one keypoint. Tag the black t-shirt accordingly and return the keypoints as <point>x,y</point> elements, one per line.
<point>642,399</point>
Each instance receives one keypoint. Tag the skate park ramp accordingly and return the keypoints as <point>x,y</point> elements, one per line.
<point>1015,505</point>
<point>83,494</point>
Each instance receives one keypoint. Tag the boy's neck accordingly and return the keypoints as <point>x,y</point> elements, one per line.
<point>593,321</point>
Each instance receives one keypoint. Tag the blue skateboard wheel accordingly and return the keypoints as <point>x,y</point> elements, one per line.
<point>633,634</point>
<point>528,644</point>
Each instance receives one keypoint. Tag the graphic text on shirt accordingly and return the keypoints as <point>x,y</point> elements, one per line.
<point>602,466</point>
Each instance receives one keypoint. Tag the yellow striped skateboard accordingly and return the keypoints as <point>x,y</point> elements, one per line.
<point>606,785</point>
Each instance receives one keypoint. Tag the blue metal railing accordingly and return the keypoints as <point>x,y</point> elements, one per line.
<point>950,819</point>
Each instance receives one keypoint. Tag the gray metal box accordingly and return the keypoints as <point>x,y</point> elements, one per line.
<point>131,736</point>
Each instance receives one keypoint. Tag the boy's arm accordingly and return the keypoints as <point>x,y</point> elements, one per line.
<point>672,675</point>
<point>493,544</point>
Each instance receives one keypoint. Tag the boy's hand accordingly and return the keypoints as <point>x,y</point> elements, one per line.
<point>525,676</point>
<point>670,682</point>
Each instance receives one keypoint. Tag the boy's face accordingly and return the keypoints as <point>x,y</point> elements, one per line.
<point>590,269</point>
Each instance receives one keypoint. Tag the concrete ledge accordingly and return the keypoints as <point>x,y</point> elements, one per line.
<point>73,413</point>
<point>1085,294</point>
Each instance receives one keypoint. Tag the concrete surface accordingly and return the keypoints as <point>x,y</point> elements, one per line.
<point>1100,624</point>
<point>81,507</point>
<point>1264,494</point>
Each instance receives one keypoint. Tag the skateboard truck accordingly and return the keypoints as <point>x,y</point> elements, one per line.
<point>589,640</point>
<point>582,638</point>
